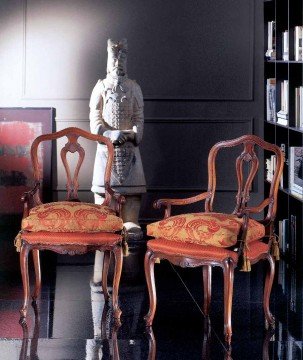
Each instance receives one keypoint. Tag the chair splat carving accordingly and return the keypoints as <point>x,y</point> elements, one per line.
<point>72,184</point>
<point>247,156</point>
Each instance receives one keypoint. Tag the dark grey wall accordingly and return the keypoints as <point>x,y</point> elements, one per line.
<point>199,64</point>
<point>210,60</point>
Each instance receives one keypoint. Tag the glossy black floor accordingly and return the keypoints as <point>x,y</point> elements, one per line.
<point>71,321</point>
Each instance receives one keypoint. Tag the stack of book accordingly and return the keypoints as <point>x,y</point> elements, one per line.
<point>271,42</point>
<point>282,115</point>
<point>271,165</point>
<point>271,99</point>
<point>298,33</point>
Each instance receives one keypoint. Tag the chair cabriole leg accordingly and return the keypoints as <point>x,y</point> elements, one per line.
<point>36,258</point>
<point>106,262</point>
<point>207,271</point>
<point>25,278</point>
<point>270,320</point>
<point>228,271</point>
<point>117,275</point>
<point>149,263</point>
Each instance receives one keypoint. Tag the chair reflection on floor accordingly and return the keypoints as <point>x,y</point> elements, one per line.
<point>104,346</point>
<point>105,343</point>
<point>34,341</point>
<point>207,344</point>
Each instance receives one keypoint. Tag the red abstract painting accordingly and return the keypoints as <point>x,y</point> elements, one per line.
<point>16,137</point>
<point>15,163</point>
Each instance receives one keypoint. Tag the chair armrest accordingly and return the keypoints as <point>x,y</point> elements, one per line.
<point>116,198</point>
<point>31,198</point>
<point>167,203</point>
<point>257,209</point>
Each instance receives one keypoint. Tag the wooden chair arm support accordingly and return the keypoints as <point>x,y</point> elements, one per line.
<point>31,199</point>
<point>257,209</point>
<point>169,202</point>
<point>117,198</point>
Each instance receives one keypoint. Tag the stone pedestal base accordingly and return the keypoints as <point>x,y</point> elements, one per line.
<point>133,268</point>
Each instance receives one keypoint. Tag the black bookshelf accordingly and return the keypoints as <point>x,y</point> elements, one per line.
<point>287,14</point>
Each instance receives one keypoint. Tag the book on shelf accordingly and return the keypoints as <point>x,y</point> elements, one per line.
<point>293,237</point>
<point>270,167</point>
<point>285,45</point>
<point>298,33</point>
<point>271,99</point>
<point>285,174</point>
<point>293,291</point>
<point>271,42</point>
<point>299,107</point>
<point>282,115</point>
<point>283,235</point>
<point>296,170</point>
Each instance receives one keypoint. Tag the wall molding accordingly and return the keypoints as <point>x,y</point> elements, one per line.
<point>195,120</point>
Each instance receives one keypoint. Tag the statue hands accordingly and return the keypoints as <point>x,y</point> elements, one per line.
<point>119,137</point>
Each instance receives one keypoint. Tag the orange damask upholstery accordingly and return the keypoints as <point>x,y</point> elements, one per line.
<point>66,216</point>
<point>216,229</point>
<point>46,237</point>
<point>206,252</point>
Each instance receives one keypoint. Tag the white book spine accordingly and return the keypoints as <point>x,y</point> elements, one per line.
<point>270,35</point>
<point>282,96</point>
<point>285,46</point>
<point>271,53</point>
<point>297,107</point>
<point>286,96</point>
<point>300,124</point>
<point>296,43</point>
<point>270,99</point>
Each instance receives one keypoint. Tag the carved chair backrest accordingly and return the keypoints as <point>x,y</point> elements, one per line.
<point>249,156</point>
<point>72,145</point>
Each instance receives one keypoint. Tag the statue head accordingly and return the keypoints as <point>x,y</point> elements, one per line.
<point>116,57</point>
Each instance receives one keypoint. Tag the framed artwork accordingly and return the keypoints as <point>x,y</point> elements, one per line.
<point>18,128</point>
<point>296,170</point>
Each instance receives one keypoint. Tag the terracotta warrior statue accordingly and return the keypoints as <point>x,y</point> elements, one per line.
<point>116,111</point>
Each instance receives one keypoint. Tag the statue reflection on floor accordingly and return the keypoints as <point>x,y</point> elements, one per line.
<point>104,345</point>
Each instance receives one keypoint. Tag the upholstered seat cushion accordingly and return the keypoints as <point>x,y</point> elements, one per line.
<point>176,248</point>
<point>71,238</point>
<point>214,229</point>
<point>66,216</point>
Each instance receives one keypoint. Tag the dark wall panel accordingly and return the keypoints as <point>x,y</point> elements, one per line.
<point>176,166</point>
<point>175,152</point>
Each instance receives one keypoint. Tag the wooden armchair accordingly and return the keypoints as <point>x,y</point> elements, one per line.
<point>216,239</point>
<point>71,227</point>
